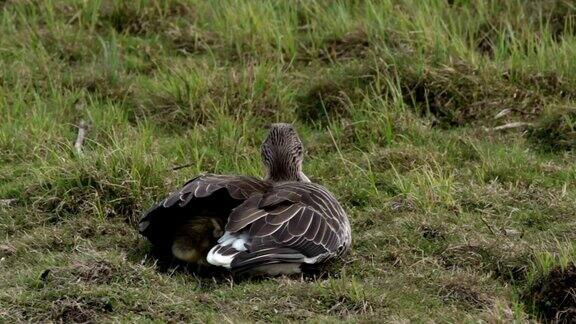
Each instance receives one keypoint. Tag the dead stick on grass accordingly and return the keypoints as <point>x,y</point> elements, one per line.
<point>488,225</point>
<point>512,125</point>
<point>80,137</point>
<point>178,167</point>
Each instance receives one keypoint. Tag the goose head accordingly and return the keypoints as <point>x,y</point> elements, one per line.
<point>282,154</point>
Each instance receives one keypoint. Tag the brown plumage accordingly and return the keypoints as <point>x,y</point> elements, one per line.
<point>270,226</point>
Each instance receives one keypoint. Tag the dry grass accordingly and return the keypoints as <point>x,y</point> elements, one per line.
<point>404,108</point>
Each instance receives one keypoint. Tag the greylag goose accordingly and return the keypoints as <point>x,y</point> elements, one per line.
<point>247,225</point>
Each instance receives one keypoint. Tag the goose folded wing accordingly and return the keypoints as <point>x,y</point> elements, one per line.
<point>238,187</point>
<point>284,219</point>
<point>209,191</point>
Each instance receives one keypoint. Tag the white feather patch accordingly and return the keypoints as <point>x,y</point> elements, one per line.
<point>218,259</point>
<point>312,260</point>
<point>238,241</point>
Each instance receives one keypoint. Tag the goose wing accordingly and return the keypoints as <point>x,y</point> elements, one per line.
<point>293,222</point>
<point>237,187</point>
<point>206,195</point>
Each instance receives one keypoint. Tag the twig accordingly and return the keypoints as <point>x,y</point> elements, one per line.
<point>178,167</point>
<point>488,225</point>
<point>333,308</point>
<point>512,125</point>
<point>503,113</point>
<point>80,137</point>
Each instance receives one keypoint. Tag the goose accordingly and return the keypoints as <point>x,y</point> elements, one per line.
<point>267,227</point>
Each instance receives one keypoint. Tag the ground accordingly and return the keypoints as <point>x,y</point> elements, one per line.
<point>447,129</point>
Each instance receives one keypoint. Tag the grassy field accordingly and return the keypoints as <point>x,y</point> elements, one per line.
<point>446,128</point>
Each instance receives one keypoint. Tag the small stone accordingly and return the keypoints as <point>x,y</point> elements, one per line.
<point>510,232</point>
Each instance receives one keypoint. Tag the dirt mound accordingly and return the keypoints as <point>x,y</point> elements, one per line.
<point>554,295</point>
<point>100,272</point>
<point>556,131</point>
<point>354,44</point>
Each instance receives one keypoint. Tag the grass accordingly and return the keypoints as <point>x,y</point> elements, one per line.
<point>396,101</point>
